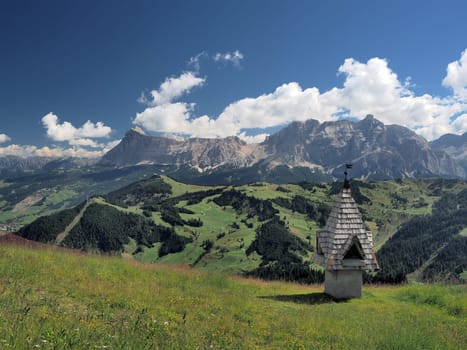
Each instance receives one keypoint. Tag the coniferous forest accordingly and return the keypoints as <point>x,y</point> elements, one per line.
<point>420,238</point>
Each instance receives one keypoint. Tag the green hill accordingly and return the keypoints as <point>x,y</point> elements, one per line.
<point>266,230</point>
<point>63,300</point>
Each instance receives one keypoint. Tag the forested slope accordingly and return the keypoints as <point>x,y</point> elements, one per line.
<point>269,230</point>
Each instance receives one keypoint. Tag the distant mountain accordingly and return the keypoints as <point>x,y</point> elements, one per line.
<point>302,151</point>
<point>14,163</point>
<point>139,148</point>
<point>454,145</point>
<point>19,163</point>
<point>377,151</point>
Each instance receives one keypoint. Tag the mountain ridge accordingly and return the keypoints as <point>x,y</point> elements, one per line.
<point>454,145</point>
<point>378,151</point>
<point>301,151</point>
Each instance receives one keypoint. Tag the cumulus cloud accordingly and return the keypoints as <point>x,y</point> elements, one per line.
<point>287,103</point>
<point>4,138</point>
<point>370,87</point>
<point>172,88</point>
<point>66,132</point>
<point>26,151</point>
<point>164,115</point>
<point>456,76</point>
<point>373,88</point>
<point>80,139</point>
<point>234,57</point>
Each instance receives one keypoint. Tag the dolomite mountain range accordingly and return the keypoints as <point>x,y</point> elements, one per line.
<point>375,150</point>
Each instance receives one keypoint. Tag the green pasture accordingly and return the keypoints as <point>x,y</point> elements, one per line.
<point>51,299</point>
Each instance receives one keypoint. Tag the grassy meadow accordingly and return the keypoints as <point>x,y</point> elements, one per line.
<point>56,299</point>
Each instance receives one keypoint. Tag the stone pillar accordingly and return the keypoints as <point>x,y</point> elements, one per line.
<point>343,284</point>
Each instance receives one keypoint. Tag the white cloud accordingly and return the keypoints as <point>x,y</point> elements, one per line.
<point>373,88</point>
<point>171,117</point>
<point>81,139</point>
<point>253,138</point>
<point>17,150</point>
<point>4,138</point>
<point>75,136</point>
<point>26,151</point>
<point>162,114</point>
<point>173,88</point>
<point>456,76</point>
<point>460,124</point>
<point>368,88</point>
<point>234,57</point>
<point>195,61</point>
<point>287,103</point>
<point>85,142</point>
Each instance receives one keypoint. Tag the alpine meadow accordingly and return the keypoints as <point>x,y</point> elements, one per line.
<point>233,175</point>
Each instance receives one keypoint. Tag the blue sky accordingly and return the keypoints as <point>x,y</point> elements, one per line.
<point>76,75</point>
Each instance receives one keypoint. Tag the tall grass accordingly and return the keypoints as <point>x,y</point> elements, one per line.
<point>51,299</point>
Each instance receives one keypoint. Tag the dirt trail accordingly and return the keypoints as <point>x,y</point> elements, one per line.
<point>61,236</point>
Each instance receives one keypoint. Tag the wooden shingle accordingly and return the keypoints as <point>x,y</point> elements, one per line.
<point>344,228</point>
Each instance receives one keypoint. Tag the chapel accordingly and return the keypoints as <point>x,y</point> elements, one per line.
<point>344,247</point>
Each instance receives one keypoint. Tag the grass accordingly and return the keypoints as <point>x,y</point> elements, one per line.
<point>48,202</point>
<point>47,302</point>
<point>179,188</point>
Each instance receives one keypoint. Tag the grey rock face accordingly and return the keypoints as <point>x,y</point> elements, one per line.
<point>377,151</point>
<point>454,145</point>
<point>203,153</point>
<point>18,163</point>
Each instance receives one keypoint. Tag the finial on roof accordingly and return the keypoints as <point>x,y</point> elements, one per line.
<point>346,181</point>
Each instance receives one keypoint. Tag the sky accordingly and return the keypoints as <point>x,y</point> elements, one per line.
<point>75,76</point>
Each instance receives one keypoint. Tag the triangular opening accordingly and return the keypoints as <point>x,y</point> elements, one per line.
<point>355,251</point>
<point>318,247</point>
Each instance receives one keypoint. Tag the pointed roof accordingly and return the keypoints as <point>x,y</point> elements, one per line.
<point>344,238</point>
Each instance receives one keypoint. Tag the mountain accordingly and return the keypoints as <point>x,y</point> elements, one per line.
<point>19,163</point>
<point>454,145</point>
<point>138,148</point>
<point>15,163</point>
<point>377,151</point>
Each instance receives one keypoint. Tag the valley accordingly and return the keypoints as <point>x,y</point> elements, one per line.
<point>219,228</point>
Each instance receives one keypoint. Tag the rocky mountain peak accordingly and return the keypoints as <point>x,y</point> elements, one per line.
<point>454,145</point>
<point>371,123</point>
<point>377,151</point>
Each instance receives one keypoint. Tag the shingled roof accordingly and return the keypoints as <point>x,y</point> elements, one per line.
<point>344,243</point>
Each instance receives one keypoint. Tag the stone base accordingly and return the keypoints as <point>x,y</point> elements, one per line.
<point>343,284</point>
